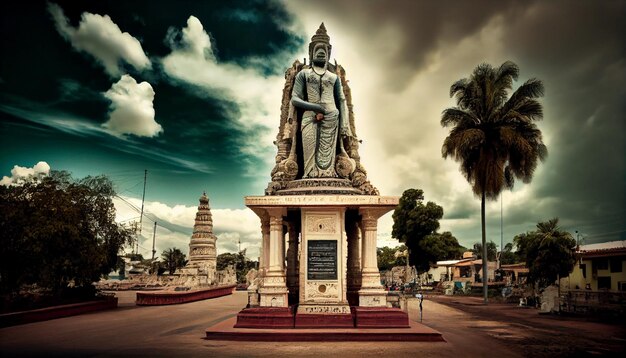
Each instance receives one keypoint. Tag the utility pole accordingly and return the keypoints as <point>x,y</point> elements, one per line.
<point>145,177</point>
<point>243,261</point>
<point>154,240</point>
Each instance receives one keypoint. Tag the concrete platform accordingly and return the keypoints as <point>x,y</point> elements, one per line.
<point>225,331</point>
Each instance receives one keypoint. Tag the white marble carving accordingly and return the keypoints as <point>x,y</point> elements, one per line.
<point>322,224</point>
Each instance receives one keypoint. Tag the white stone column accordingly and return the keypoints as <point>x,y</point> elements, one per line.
<point>274,290</point>
<point>372,293</point>
<point>265,244</point>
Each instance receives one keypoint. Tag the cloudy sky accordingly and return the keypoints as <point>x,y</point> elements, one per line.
<point>191,92</point>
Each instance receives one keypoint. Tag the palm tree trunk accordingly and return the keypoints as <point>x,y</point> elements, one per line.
<point>484,240</point>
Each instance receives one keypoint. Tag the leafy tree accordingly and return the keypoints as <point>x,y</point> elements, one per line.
<point>57,231</point>
<point>438,247</point>
<point>388,257</point>
<point>507,256</point>
<point>493,136</point>
<point>120,265</point>
<point>492,250</point>
<point>239,260</point>
<point>173,259</point>
<point>549,252</point>
<point>412,222</point>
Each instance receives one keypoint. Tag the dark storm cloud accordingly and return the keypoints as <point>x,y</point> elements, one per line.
<point>422,27</point>
<point>579,51</point>
<point>577,48</point>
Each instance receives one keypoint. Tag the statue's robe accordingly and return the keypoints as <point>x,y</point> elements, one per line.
<point>319,138</point>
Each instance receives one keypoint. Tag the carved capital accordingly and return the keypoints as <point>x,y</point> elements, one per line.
<point>276,224</point>
<point>265,222</point>
<point>370,223</point>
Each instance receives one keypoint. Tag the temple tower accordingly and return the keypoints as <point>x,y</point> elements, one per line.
<point>201,268</point>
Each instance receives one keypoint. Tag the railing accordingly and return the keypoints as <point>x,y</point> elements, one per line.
<point>585,301</point>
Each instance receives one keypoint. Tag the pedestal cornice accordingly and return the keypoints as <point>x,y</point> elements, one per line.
<point>299,201</point>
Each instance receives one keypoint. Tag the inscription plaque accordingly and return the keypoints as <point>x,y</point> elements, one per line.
<point>322,259</point>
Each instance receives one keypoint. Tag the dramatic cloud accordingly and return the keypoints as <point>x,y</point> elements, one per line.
<point>19,174</point>
<point>401,61</point>
<point>131,110</point>
<point>256,96</point>
<point>100,37</point>
<point>175,225</point>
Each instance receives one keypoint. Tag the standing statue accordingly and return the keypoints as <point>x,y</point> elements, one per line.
<point>318,92</point>
<point>317,143</point>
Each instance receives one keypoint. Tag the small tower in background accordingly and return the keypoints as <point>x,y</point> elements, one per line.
<point>201,268</point>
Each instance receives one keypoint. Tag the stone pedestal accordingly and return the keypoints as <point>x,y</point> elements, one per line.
<point>323,269</point>
<point>336,258</point>
<point>323,261</point>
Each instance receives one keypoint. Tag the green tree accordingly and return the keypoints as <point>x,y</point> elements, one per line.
<point>494,136</point>
<point>438,247</point>
<point>492,250</point>
<point>173,259</point>
<point>507,256</point>
<point>239,260</point>
<point>388,257</point>
<point>412,222</point>
<point>549,252</point>
<point>57,231</point>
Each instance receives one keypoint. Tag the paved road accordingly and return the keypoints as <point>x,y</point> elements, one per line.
<point>178,330</point>
<point>539,335</point>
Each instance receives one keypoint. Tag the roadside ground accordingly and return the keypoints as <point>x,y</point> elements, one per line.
<point>531,333</point>
<point>178,330</point>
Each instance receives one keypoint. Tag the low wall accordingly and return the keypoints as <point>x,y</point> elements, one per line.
<point>44,314</point>
<point>157,298</point>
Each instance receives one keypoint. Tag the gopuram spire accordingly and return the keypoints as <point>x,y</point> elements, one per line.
<point>202,245</point>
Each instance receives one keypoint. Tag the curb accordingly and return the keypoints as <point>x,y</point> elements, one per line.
<point>48,313</point>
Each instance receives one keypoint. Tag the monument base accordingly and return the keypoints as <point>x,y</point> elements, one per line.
<point>380,317</point>
<point>372,298</point>
<point>324,320</point>
<point>356,317</point>
<point>265,317</point>
<point>417,332</point>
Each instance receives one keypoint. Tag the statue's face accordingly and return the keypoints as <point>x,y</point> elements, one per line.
<point>320,54</point>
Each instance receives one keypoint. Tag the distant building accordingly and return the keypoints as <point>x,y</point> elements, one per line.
<point>600,267</point>
<point>515,274</point>
<point>467,269</point>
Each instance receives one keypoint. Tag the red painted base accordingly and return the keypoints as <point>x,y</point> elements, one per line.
<point>44,314</point>
<point>158,298</point>
<point>265,317</point>
<point>324,321</point>
<point>380,317</point>
<point>224,331</point>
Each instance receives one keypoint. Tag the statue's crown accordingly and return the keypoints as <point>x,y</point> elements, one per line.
<point>321,35</point>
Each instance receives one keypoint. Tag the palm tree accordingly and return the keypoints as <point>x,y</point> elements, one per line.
<point>173,259</point>
<point>550,253</point>
<point>494,136</point>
